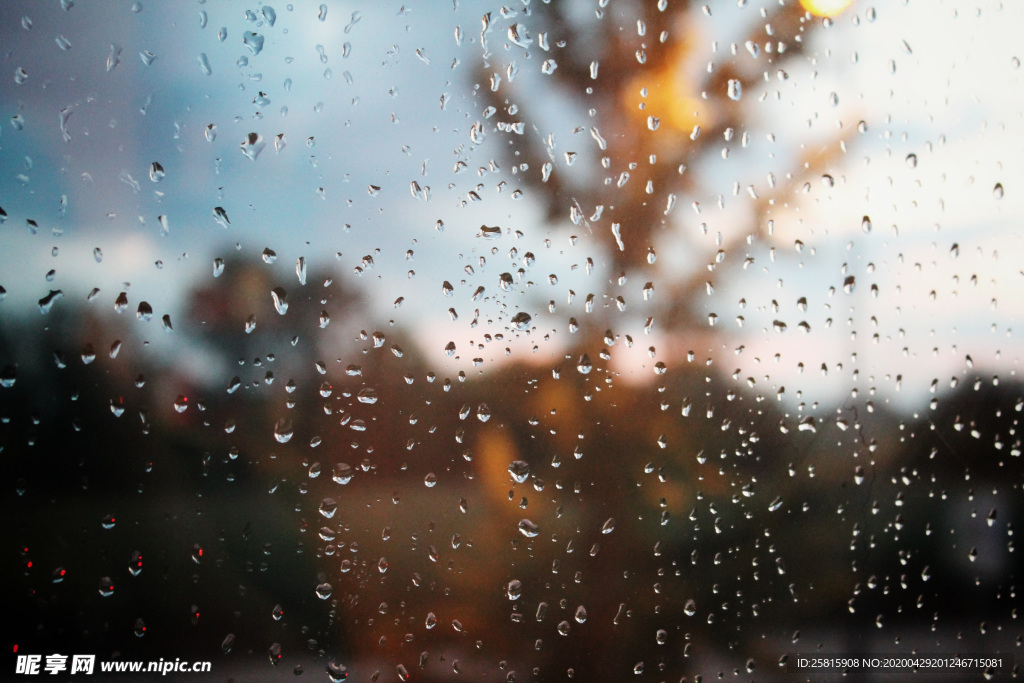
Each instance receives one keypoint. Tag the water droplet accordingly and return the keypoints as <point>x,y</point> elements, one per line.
<point>430,481</point>
<point>563,628</point>
<point>46,303</point>
<point>221,216</point>
<point>997,191</point>
<point>489,233</point>
<point>252,145</point>
<point>113,57</point>
<point>690,608</point>
<point>519,470</point>
<point>283,430</point>
<point>912,160</point>
<point>528,528</point>
<point>204,63</point>
<point>324,590</point>
<point>608,526</point>
<point>144,312</point>
<point>106,587</point>
<point>734,89</point>
<point>514,589</point>
<point>581,614</point>
<point>253,41</point>
<point>274,653</point>
<point>280,298</point>
<point>328,506</point>
<point>583,365</point>
<point>336,672</point>
<point>521,320</point>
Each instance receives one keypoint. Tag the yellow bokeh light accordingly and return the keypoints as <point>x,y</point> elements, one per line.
<point>825,8</point>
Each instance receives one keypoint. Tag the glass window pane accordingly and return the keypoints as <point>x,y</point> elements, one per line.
<point>536,341</point>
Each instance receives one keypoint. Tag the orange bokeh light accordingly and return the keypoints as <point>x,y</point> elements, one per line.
<point>825,8</point>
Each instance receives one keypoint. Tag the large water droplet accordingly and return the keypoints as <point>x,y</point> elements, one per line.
<point>283,430</point>
<point>253,41</point>
<point>521,320</point>
<point>252,145</point>
<point>328,506</point>
<point>734,89</point>
<point>221,216</point>
<point>280,298</point>
<point>528,528</point>
<point>519,469</point>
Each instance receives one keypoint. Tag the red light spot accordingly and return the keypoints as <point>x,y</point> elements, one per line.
<point>15,647</point>
<point>29,565</point>
<point>63,572</point>
<point>200,552</point>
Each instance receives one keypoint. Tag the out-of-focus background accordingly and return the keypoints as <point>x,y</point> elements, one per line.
<point>594,339</point>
